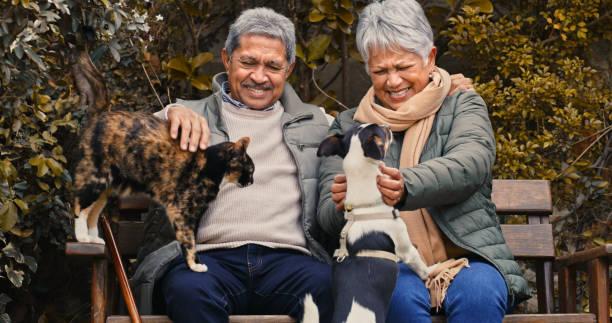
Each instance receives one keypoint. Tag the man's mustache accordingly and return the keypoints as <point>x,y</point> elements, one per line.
<point>255,86</point>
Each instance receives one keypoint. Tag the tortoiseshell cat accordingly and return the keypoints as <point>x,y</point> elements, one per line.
<point>132,151</point>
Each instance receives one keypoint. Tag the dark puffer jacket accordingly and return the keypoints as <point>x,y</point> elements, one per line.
<point>453,181</point>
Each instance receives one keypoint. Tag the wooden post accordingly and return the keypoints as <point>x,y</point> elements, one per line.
<point>99,291</point>
<point>567,289</point>
<point>599,288</point>
<point>120,270</point>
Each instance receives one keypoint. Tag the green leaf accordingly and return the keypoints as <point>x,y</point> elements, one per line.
<point>41,165</point>
<point>34,57</point>
<point>21,204</point>
<point>485,5</point>
<point>326,6</point>
<point>315,15</point>
<point>179,64</point>
<point>8,216</point>
<point>43,186</point>
<point>15,276</point>
<point>41,115</point>
<point>12,252</point>
<point>106,4</point>
<point>201,82</point>
<point>346,16</point>
<point>346,4</point>
<point>299,52</point>
<point>31,263</point>
<point>7,170</point>
<point>201,59</point>
<point>317,47</point>
<point>56,168</point>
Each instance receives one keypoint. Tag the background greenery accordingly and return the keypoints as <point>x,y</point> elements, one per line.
<point>543,67</point>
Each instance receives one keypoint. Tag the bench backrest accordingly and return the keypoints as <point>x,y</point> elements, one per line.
<point>530,198</point>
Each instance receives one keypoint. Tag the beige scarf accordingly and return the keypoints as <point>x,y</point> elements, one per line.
<point>416,117</point>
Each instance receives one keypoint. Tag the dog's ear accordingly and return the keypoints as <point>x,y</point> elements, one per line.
<point>332,145</point>
<point>374,141</point>
<point>374,147</point>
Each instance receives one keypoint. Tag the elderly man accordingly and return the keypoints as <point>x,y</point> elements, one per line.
<point>258,242</point>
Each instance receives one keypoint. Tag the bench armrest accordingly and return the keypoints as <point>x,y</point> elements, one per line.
<point>596,261</point>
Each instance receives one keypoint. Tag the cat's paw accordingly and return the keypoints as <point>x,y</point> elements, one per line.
<point>200,268</point>
<point>82,238</point>
<point>96,239</point>
<point>80,229</point>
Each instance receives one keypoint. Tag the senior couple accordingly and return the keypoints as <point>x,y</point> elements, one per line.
<point>263,243</point>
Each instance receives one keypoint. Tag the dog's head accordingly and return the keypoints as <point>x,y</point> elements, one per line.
<point>375,140</point>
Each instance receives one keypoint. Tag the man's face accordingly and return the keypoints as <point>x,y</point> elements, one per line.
<point>257,70</point>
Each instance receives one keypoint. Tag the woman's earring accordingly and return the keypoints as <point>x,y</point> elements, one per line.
<point>431,76</point>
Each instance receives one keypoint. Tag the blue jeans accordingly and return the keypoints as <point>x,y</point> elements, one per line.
<point>477,294</point>
<point>251,279</point>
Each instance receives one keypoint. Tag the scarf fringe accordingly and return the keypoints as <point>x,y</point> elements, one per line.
<point>440,278</point>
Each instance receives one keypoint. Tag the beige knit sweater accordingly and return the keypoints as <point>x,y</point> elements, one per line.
<point>268,211</point>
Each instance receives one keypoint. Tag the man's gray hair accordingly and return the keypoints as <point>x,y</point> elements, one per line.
<point>265,22</point>
<point>394,24</point>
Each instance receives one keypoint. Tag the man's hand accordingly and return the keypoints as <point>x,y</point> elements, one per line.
<point>391,185</point>
<point>194,127</point>
<point>460,83</point>
<point>338,190</point>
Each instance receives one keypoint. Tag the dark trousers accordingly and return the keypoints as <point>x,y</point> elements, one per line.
<point>251,279</point>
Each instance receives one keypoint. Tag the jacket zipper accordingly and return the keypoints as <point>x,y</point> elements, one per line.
<point>299,173</point>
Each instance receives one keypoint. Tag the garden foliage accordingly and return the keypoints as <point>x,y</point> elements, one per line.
<point>542,67</point>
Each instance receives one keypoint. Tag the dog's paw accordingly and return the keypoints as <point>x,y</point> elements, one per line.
<point>200,268</point>
<point>424,274</point>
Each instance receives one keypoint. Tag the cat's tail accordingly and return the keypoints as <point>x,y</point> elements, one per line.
<point>311,311</point>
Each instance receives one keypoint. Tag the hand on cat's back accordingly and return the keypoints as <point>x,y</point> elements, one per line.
<point>194,127</point>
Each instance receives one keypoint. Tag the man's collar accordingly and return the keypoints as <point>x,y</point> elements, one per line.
<point>227,98</point>
<point>290,101</point>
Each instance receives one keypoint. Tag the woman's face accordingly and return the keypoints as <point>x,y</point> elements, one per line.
<point>397,74</point>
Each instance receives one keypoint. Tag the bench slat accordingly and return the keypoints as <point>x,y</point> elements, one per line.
<point>233,319</point>
<point>83,249</point>
<point>513,318</point>
<point>529,240</point>
<point>526,241</point>
<point>526,197</point>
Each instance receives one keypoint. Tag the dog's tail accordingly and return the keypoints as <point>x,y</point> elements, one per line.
<point>311,311</point>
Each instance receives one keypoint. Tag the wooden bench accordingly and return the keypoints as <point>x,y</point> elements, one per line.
<point>530,242</point>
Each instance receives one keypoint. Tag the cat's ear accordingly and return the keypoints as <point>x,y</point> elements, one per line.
<point>242,143</point>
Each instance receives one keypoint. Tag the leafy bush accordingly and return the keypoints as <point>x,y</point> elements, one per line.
<point>550,109</point>
<point>538,66</point>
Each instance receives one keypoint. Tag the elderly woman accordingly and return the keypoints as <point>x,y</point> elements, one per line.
<point>437,173</point>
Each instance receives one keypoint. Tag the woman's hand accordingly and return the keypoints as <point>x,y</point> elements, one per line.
<point>391,185</point>
<point>338,190</point>
<point>194,127</point>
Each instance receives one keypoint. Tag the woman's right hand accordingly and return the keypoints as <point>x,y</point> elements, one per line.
<point>338,190</point>
<point>194,127</point>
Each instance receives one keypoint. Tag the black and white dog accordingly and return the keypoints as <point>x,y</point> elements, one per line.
<point>374,238</point>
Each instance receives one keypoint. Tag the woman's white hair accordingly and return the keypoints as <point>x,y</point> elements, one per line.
<point>394,24</point>
<point>265,22</point>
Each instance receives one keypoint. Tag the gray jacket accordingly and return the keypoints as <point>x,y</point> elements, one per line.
<point>304,126</point>
<point>453,181</point>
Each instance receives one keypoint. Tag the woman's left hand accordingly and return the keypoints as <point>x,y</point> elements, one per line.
<point>391,185</point>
